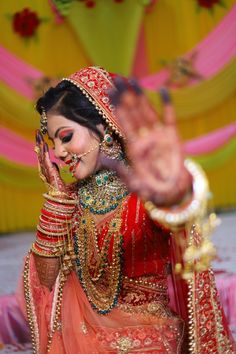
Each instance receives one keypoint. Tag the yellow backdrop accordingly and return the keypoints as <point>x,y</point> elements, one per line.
<point>171,29</point>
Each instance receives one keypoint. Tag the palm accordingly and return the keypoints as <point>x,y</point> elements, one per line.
<point>49,171</point>
<point>153,148</point>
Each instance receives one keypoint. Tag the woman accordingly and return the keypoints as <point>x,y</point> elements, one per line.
<point>100,274</point>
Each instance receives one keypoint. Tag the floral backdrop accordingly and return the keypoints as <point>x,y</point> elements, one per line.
<point>188,46</point>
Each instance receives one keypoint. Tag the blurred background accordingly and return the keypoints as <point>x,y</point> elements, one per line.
<point>187,45</point>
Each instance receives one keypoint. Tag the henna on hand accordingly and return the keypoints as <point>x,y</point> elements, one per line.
<point>157,170</point>
<point>47,270</point>
<point>49,171</point>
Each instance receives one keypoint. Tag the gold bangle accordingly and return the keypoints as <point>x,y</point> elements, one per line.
<point>45,254</point>
<point>49,244</point>
<point>54,225</point>
<point>59,200</point>
<point>50,207</point>
<point>66,208</point>
<point>45,232</point>
<point>50,222</point>
<point>176,216</point>
<point>62,221</point>
<point>57,212</point>
<point>50,229</point>
<point>56,228</point>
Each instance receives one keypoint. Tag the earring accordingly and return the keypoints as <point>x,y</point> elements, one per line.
<point>108,139</point>
<point>111,147</point>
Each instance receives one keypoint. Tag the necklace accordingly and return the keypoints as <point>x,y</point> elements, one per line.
<point>101,192</point>
<point>100,269</point>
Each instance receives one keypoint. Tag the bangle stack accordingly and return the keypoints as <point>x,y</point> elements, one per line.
<point>54,231</point>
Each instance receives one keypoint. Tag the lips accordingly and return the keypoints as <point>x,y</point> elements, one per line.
<point>68,162</point>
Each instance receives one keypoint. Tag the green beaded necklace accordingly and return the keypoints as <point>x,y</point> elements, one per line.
<point>101,192</point>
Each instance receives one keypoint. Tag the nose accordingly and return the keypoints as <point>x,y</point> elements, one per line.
<point>59,151</point>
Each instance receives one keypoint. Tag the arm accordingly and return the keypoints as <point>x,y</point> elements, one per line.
<point>53,238</point>
<point>47,269</point>
<point>52,248</point>
<point>175,189</point>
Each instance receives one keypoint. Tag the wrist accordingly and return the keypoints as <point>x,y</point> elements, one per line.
<point>54,228</point>
<point>191,205</point>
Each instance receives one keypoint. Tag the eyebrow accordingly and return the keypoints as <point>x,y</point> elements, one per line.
<point>57,131</point>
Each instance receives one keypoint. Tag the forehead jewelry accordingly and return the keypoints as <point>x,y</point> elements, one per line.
<point>43,122</point>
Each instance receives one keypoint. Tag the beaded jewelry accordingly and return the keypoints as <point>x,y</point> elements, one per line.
<point>43,122</point>
<point>110,147</point>
<point>100,273</point>
<point>102,192</point>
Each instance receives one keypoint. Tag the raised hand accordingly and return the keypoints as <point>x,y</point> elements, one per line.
<point>48,170</point>
<point>153,147</point>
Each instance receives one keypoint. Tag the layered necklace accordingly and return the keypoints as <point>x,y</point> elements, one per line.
<point>102,192</point>
<point>100,267</point>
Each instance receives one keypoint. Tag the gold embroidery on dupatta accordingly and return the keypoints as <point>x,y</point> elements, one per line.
<point>206,330</point>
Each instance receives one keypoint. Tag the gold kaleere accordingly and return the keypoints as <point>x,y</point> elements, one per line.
<point>200,252</point>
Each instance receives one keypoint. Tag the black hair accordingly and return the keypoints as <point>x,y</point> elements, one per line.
<point>68,100</point>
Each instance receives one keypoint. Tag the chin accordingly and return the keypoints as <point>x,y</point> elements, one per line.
<point>81,173</point>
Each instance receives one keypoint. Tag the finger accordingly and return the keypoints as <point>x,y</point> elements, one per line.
<point>133,108</point>
<point>52,167</point>
<point>169,116</point>
<point>120,87</point>
<point>135,86</point>
<point>126,174</point>
<point>149,116</point>
<point>123,171</point>
<point>40,136</point>
<point>126,99</point>
<point>112,164</point>
<point>38,150</point>
<point>37,138</point>
<point>129,104</point>
<point>40,139</point>
<point>47,166</point>
<point>148,113</point>
<point>56,166</point>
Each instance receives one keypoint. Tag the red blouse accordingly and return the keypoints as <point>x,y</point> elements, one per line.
<point>146,244</point>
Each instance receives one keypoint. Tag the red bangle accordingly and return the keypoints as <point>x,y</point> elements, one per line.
<point>47,213</point>
<point>44,237</point>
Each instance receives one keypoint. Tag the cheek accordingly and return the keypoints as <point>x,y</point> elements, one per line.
<point>91,158</point>
<point>77,146</point>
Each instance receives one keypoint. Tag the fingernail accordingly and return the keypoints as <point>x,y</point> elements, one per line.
<point>135,86</point>
<point>40,137</point>
<point>45,147</point>
<point>37,138</point>
<point>120,84</point>
<point>114,97</point>
<point>165,95</point>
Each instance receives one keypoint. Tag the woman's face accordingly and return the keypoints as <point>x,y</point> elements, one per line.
<point>71,138</point>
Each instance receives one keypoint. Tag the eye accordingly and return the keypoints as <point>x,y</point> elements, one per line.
<point>67,138</point>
